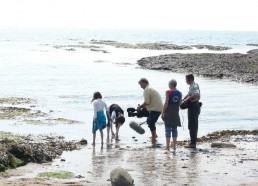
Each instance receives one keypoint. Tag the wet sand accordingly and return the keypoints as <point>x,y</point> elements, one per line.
<point>154,166</point>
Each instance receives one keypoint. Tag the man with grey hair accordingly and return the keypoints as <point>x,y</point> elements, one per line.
<point>153,103</point>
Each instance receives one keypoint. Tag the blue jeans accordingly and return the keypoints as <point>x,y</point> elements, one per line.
<point>172,130</point>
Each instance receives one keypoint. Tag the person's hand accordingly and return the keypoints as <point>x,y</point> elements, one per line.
<point>139,107</point>
<point>163,116</point>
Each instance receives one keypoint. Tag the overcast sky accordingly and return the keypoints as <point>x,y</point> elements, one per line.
<point>134,14</point>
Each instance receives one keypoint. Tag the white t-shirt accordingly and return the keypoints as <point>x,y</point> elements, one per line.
<point>113,116</point>
<point>99,105</point>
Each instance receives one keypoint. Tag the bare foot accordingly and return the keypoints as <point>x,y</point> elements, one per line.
<point>174,146</point>
<point>153,139</point>
<point>113,135</point>
<point>155,136</point>
<point>167,148</point>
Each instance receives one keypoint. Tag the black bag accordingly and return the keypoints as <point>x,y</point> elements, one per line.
<point>185,104</point>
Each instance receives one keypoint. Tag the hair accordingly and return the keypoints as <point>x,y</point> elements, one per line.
<point>173,82</point>
<point>143,80</point>
<point>120,119</point>
<point>96,95</point>
<point>190,77</point>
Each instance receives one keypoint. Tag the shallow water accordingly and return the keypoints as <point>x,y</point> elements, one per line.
<point>64,81</point>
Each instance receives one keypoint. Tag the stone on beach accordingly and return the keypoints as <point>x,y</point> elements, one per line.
<point>222,145</point>
<point>119,177</point>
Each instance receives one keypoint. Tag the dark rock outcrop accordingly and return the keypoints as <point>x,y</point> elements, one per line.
<point>15,153</point>
<point>238,67</point>
<point>210,47</point>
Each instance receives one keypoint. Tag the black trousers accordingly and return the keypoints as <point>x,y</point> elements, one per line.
<point>152,119</point>
<point>193,115</point>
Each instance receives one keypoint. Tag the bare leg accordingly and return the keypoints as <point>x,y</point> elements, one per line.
<point>112,132</point>
<point>174,143</point>
<point>117,131</point>
<point>94,138</point>
<point>101,135</point>
<point>108,132</point>
<point>154,136</point>
<point>167,143</point>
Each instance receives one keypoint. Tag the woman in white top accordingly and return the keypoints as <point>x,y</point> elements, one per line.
<point>99,118</point>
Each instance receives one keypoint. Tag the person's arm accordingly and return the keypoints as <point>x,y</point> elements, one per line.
<point>194,92</point>
<point>107,111</point>
<point>166,103</point>
<point>146,95</point>
<point>143,105</point>
<point>187,95</point>
<point>113,117</point>
<point>165,106</point>
<point>180,100</point>
<point>95,110</point>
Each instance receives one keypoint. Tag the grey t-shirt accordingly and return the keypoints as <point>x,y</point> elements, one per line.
<point>194,90</point>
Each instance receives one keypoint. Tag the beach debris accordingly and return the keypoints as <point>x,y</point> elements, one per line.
<point>17,101</point>
<point>70,49</point>
<point>120,176</point>
<point>83,142</point>
<point>19,112</point>
<point>222,145</point>
<point>58,175</point>
<point>98,50</point>
<point>79,176</point>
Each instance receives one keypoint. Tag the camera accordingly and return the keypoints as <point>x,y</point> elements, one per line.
<point>132,112</point>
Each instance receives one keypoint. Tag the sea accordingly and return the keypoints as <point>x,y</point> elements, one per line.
<point>63,81</point>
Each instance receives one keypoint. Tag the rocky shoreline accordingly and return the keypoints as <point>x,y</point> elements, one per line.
<point>237,67</point>
<point>16,151</point>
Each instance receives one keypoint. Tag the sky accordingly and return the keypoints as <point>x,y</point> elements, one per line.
<point>231,15</point>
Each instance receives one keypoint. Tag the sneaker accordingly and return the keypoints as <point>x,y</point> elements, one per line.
<point>190,146</point>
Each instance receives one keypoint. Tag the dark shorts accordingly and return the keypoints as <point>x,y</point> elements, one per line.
<point>152,119</point>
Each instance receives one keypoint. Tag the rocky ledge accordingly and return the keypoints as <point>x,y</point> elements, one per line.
<point>21,150</point>
<point>236,66</point>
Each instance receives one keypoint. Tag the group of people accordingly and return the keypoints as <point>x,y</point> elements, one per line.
<point>169,112</point>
